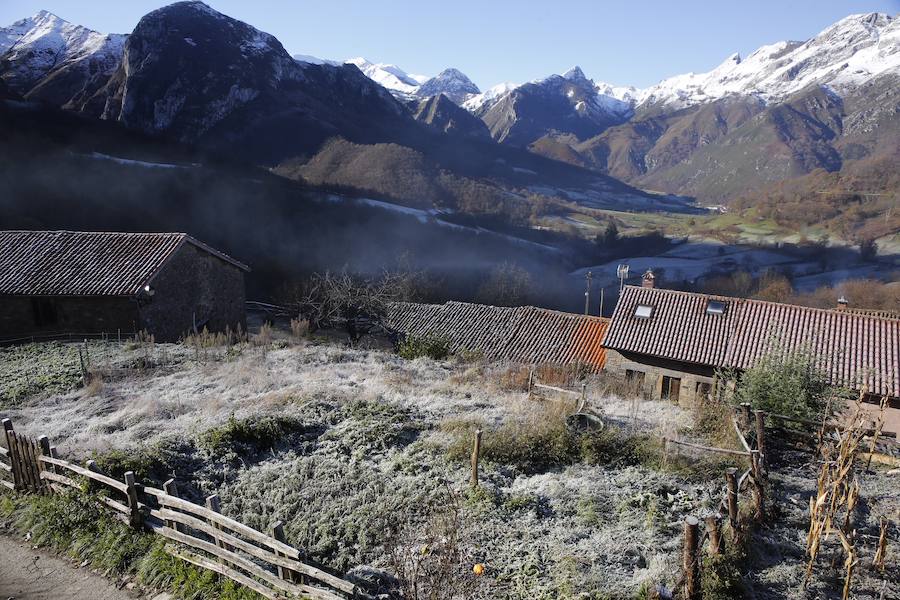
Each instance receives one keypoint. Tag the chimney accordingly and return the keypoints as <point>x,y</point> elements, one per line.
<point>842,303</point>
<point>648,279</point>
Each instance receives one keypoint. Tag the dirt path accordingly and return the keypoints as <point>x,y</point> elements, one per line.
<point>38,575</point>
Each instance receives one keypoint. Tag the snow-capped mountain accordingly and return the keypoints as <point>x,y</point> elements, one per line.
<point>48,58</point>
<point>487,98</point>
<point>847,54</point>
<point>392,77</point>
<point>450,82</point>
<point>567,104</point>
<point>406,86</point>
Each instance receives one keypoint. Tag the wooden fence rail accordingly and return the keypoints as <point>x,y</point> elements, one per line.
<point>200,535</point>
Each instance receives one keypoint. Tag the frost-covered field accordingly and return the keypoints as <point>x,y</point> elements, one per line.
<point>370,460</point>
<point>366,461</point>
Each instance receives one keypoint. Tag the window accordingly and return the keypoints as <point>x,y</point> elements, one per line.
<point>44,310</point>
<point>634,378</point>
<point>671,386</point>
<point>715,307</point>
<point>643,311</point>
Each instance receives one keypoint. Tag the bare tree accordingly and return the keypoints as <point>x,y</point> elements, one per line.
<point>351,302</point>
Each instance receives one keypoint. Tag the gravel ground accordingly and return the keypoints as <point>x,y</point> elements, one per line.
<point>28,573</point>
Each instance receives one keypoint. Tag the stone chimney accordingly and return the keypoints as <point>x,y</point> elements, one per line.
<point>842,303</point>
<point>648,279</point>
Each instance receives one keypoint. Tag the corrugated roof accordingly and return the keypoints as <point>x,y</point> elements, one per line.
<point>855,349</point>
<point>80,263</point>
<point>522,334</point>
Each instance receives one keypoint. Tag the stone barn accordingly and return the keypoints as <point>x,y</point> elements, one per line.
<point>58,283</point>
<point>672,343</point>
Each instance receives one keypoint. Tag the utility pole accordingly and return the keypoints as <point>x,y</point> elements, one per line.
<point>601,301</point>
<point>587,293</point>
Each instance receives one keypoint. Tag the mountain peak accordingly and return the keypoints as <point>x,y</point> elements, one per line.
<point>575,74</point>
<point>451,82</point>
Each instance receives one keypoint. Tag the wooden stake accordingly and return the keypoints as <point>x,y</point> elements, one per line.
<point>745,415</point>
<point>715,538</point>
<point>277,532</point>
<point>731,483</point>
<point>44,445</point>
<point>171,489</point>
<point>690,560</point>
<point>476,451</point>
<point>134,517</point>
<point>758,487</point>
<point>761,435</point>
<point>9,436</point>
<point>213,504</point>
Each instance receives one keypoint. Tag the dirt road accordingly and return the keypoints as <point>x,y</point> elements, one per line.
<point>26,573</point>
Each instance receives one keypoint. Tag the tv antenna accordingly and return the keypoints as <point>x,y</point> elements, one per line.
<point>587,292</point>
<point>622,274</point>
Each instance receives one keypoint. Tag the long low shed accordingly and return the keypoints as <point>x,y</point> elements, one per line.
<point>524,334</point>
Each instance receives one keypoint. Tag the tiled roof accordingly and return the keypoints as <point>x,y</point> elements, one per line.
<point>78,263</point>
<point>855,349</point>
<point>522,334</point>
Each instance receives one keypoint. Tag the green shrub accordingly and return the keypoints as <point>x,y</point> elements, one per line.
<point>786,382</point>
<point>415,347</point>
<point>254,434</point>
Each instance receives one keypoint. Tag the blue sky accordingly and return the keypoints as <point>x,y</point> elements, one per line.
<point>636,43</point>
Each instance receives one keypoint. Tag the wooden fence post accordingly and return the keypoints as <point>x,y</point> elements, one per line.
<point>758,487</point>
<point>731,483</point>
<point>10,435</point>
<point>284,573</point>
<point>761,435</point>
<point>213,504</point>
<point>476,451</point>
<point>54,454</point>
<point>92,486</point>
<point>171,489</point>
<point>690,560</point>
<point>530,381</point>
<point>745,415</point>
<point>715,537</point>
<point>44,445</point>
<point>134,507</point>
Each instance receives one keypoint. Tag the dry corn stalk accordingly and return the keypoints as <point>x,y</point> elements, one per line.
<point>879,425</point>
<point>881,552</point>
<point>837,490</point>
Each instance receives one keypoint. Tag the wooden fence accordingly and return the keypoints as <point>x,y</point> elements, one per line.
<point>200,535</point>
<point>749,487</point>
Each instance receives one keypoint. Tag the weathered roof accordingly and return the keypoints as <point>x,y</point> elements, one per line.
<point>855,349</point>
<point>522,334</point>
<point>80,263</point>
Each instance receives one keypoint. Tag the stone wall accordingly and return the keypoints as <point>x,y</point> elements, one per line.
<point>194,286</point>
<point>24,316</point>
<point>691,380</point>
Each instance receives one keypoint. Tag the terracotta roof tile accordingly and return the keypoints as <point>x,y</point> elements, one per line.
<point>855,349</point>
<point>522,334</point>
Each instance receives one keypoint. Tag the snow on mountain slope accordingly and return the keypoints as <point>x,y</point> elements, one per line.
<point>487,97</point>
<point>848,53</point>
<point>389,76</point>
<point>450,82</point>
<point>314,60</point>
<point>34,47</point>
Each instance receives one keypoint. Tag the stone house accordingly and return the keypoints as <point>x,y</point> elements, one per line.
<point>673,343</point>
<point>56,283</point>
